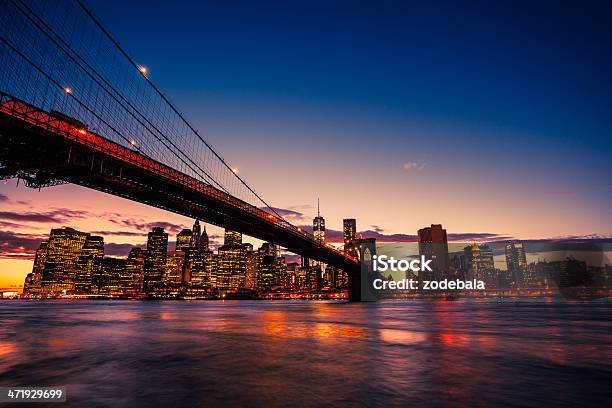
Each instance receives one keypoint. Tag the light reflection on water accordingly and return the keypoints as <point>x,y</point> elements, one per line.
<point>426,353</point>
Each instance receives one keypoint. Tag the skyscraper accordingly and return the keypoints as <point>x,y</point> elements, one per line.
<point>231,263</point>
<point>433,244</point>
<point>480,264</point>
<point>232,238</point>
<point>515,256</point>
<point>155,257</point>
<point>318,226</point>
<point>184,240</point>
<point>89,264</point>
<point>134,272</point>
<point>204,244</point>
<point>349,233</point>
<point>175,261</point>
<point>34,279</point>
<point>516,261</point>
<point>195,240</point>
<point>61,264</point>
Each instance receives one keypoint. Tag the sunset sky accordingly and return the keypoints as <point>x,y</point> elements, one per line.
<point>490,120</point>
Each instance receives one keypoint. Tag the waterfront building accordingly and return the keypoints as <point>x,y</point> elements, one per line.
<point>133,283</point>
<point>480,264</point>
<point>61,263</point>
<point>231,263</point>
<point>173,273</point>
<point>32,285</point>
<point>433,244</point>
<point>155,258</point>
<point>349,235</point>
<point>515,256</point>
<point>89,264</point>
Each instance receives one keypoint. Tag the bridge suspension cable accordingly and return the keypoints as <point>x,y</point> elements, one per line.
<point>48,47</point>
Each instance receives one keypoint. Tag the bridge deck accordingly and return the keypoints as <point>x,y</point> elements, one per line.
<point>128,173</point>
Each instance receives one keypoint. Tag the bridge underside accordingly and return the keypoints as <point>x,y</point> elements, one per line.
<point>41,159</point>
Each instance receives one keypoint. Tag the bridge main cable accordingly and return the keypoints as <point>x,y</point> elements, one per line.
<point>207,176</point>
<point>175,110</point>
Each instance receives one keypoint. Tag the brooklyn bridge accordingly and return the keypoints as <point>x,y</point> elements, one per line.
<point>75,107</point>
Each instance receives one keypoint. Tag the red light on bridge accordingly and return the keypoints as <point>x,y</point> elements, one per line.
<point>82,131</point>
<point>270,216</point>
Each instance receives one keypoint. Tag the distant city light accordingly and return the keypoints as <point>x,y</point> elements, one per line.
<point>68,90</point>
<point>143,70</point>
<point>133,142</point>
<point>235,170</point>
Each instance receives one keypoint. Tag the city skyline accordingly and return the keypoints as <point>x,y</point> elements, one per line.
<point>123,233</point>
<point>430,147</point>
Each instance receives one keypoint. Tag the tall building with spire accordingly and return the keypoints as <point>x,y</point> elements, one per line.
<point>318,225</point>
<point>204,244</point>
<point>195,240</point>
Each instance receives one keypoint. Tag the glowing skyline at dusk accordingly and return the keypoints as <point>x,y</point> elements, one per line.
<point>397,116</point>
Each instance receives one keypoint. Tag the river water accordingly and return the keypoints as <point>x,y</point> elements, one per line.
<point>303,353</point>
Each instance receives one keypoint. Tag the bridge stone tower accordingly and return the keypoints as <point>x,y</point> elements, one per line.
<point>360,284</point>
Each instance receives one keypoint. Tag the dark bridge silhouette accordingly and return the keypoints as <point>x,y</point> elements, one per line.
<point>75,108</point>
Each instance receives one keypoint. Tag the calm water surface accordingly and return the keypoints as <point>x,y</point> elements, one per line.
<point>242,353</point>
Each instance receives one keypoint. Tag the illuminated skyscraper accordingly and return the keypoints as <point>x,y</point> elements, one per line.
<point>184,240</point>
<point>89,264</point>
<point>134,272</point>
<point>110,281</point>
<point>516,261</point>
<point>61,264</point>
<point>194,271</point>
<point>231,269</point>
<point>433,244</point>
<point>349,233</point>
<point>34,279</point>
<point>515,256</point>
<point>175,260</point>
<point>204,245</point>
<point>155,257</point>
<point>480,263</point>
<point>251,267</point>
<point>232,238</point>
<point>231,263</point>
<point>195,240</point>
<point>318,226</point>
